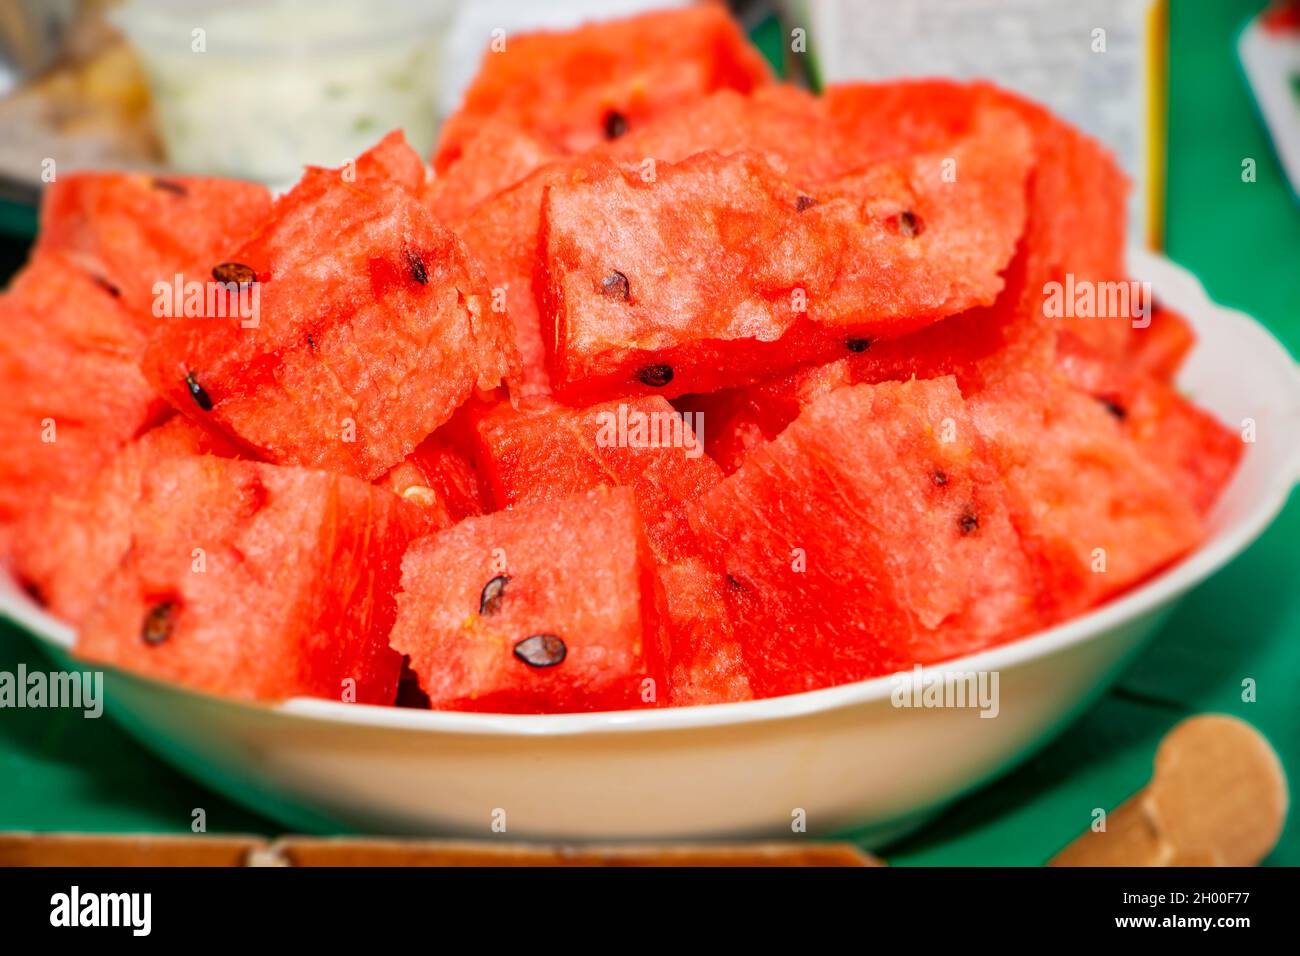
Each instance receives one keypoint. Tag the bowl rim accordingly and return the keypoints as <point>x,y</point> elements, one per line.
<point>1173,581</point>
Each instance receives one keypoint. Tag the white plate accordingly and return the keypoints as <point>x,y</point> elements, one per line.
<point>844,757</point>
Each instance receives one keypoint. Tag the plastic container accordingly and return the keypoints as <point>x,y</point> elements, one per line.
<point>256,89</point>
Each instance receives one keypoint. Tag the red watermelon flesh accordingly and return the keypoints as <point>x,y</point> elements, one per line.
<point>292,593</point>
<point>499,155</point>
<point>1077,192</point>
<point>583,87</point>
<point>130,231</point>
<point>546,453</point>
<point>706,665</point>
<point>440,479</point>
<point>391,160</point>
<point>1095,516</point>
<point>65,550</point>
<point>502,234</point>
<point>777,121</point>
<point>719,263</point>
<point>70,391</point>
<point>782,123</point>
<point>369,336</point>
<point>546,607</point>
<point>862,540</point>
<point>1161,348</point>
<point>1195,452</point>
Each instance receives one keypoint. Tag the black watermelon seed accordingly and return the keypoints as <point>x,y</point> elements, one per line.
<point>909,224</point>
<point>234,273</point>
<point>735,583</point>
<point>170,186</point>
<point>940,477</point>
<point>1114,407</point>
<point>198,393</point>
<point>615,285</point>
<point>968,523</point>
<point>311,342</point>
<point>656,376</point>
<point>158,623</point>
<point>494,592</point>
<point>804,202</point>
<point>108,287</point>
<point>615,124</point>
<point>857,345</point>
<point>418,272</point>
<point>541,650</point>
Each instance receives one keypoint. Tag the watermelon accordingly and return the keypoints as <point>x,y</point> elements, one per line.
<point>70,391</point>
<point>582,87</point>
<point>1095,516</point>
<point>499,155</point>
<point>1195,452</point>
<point>776,121</point>
<point>256,581</point>
<point>544,453</point>
<point>706,664</point>
<point>719,270</point>
<point>440,479</point>
<point>546,607</point>
<point>129,231</point>
<point>366,339</point>
<point>913,558</point>
<point>502,235</point>
<point>65,549</point>
<point>1161,348</point>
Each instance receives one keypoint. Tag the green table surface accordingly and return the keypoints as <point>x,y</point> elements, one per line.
<point>59,771</point>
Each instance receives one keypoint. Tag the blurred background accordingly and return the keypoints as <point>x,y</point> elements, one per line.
<point>1200,100</point>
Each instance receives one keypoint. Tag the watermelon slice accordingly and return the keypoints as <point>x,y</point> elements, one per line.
<point>65,549</point>
<point>1194,451</point>
<point>719,271</point>
<point>548,607</point>
<point>499,155</point>
<point>255,581</point>
<point>440,479</point>
<point>364,343</point>
<point>129,231</point>
<point>586,86</point>
<point>1095,516</point>
<point>540,454</point>
<point>70,391</point>
<point>913,558</point>
<point>1161,348</point>
<point>706,664</point>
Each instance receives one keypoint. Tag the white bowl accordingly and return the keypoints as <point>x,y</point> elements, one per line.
<point>841,758</point>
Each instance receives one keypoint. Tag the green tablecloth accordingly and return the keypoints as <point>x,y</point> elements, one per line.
<point>60,772</point>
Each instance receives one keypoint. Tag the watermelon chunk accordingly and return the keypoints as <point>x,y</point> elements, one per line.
<point>499,155</point>
<point>1195,452</point>
<point>582,87</point>
<point>719,271</point>
<point>71,393</point>
<point>548,607</point>
<point>540,454</point>
<point>440,479</point>
<point>255,581</point>
<point>1095,516</point>
<point>65,549</point>
<point>129,231</point>
<point>706,664</point>
<point>1161,348</point>
<point>913,558</point>
<point>777,121</point>
<point>366,340</point>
